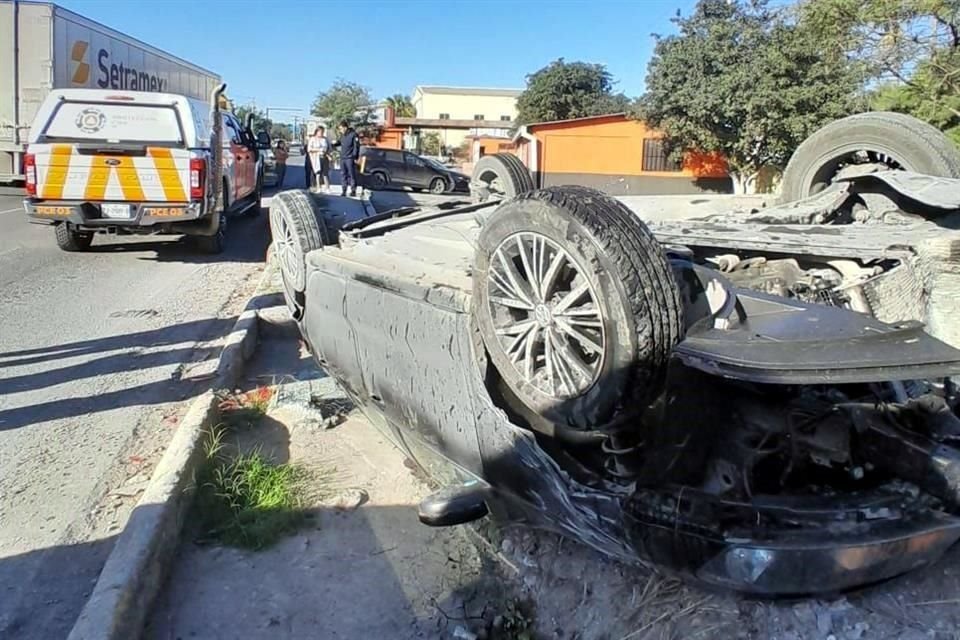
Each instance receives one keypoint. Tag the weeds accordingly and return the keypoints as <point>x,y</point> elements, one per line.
<point>246,499</point>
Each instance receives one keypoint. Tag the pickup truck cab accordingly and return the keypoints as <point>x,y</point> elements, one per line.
<point>101,161</point>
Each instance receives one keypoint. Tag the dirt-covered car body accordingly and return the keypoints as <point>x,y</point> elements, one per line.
<point>387,311</point>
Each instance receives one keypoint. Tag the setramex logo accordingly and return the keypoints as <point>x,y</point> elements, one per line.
<point>79,64</point>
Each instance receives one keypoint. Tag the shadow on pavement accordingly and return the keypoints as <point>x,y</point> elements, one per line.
<point>375,572</point>
<point>169,389</point>
<point>43,591</point>
<point>247,238</point>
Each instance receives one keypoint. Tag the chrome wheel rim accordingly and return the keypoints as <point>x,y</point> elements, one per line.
<point>286,250</point>
<point>545,315</point>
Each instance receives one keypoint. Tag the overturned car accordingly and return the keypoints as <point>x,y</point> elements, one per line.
<point>681,393</point>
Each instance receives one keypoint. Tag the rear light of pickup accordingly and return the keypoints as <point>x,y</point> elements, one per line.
<point>30,171</point>
<point>198,172</point>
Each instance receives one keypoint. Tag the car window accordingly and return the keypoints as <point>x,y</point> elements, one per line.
<point>232,131</point>
<point>393,156</point>
<point>114,123</point>
<point>415,161</point>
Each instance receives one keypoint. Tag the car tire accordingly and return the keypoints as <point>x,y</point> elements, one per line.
<point>597,330</point>
<point>69,239</point>
<point>438,186</point>
<point>215,244</point>
<point>499,175</point>
<point>379,180</point>
<point>297,226</point>
<point>895,139</point>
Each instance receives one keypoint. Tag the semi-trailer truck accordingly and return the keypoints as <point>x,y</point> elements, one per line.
<point>44,47</point>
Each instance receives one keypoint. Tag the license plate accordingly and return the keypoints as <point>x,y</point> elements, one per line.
<point>115,210</point>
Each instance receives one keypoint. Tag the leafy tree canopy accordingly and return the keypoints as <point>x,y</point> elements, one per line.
<point>563,90</point>
<point>911,46</point>
<point>747,81</point>
<point>344,100</point>
<point>260,120</point>
<point>402,105</point>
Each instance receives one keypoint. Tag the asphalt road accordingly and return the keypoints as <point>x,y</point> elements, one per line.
<point>92,348</point>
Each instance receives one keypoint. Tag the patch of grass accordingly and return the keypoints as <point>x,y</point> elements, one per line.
<point>247,500</point>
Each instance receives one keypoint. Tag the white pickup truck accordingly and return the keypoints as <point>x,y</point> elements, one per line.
<point>104,161</point>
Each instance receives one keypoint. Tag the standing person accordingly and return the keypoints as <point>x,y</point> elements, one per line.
<point>280,154</point>
<point>318,149</point>
<point>349,144</point>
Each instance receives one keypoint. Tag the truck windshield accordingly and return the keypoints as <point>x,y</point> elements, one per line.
<point>116,123</point>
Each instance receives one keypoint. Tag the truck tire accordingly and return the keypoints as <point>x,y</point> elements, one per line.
<point>297,226</point>
<point>576,305</point>
<point>500,175</point>
<point>215,244</point>
<point>896,140</point>
<point>69,239</point>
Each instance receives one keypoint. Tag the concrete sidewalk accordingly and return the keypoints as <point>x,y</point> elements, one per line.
<point>367,571</point>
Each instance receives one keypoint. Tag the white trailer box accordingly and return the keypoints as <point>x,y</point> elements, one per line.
<point>53,48</point>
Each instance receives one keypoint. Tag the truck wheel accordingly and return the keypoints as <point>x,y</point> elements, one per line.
<point>888,140</point>
<point>298,228</point>
<point>69,239</point>
<point>501,175</point>
<point>576,304</point>
<point>216,243</point>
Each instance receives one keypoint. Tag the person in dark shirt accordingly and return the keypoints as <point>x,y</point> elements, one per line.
<point>349,145</point>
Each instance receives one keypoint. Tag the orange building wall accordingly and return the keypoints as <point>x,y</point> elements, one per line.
<point>612,146</point>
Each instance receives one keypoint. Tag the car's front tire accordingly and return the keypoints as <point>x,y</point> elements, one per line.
<point>576,305</point>
<point>438,186</point>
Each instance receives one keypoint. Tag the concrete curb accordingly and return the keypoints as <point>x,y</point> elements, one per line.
<point>136,568</point>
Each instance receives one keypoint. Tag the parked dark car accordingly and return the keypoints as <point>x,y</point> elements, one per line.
<point>382,168</point>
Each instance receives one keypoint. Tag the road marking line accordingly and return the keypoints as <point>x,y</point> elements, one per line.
<point>12,210</point>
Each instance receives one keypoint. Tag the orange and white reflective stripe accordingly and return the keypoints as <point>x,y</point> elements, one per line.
<point>64,174</point>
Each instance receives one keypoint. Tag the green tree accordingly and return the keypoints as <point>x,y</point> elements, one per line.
<point>281,131</point>
<point>402,106</point>
<point>746,81</point>
<point>260,120</point>
<point>911,46</point>
<point>430,143</point>
<point>563,90</point>
<point>344,100</point>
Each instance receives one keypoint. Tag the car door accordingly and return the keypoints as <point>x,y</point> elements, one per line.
<point>230,160</point>
<point>244,164</point>
<point>393,161</point>
<point>418,173</point>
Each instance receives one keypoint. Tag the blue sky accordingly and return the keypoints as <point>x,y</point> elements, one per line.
<point>302,46</point>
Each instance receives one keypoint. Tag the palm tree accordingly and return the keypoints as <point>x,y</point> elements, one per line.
<point>402,106</point>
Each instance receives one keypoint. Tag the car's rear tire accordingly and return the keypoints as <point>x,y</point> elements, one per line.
<point>894,140</point>
<point>501,175</point>
<point>297,226</point>
<point>69,239</point>
<point>579,326</point>
<point>379,180</point>
<point>438,186</point>
<point>216,243</point>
